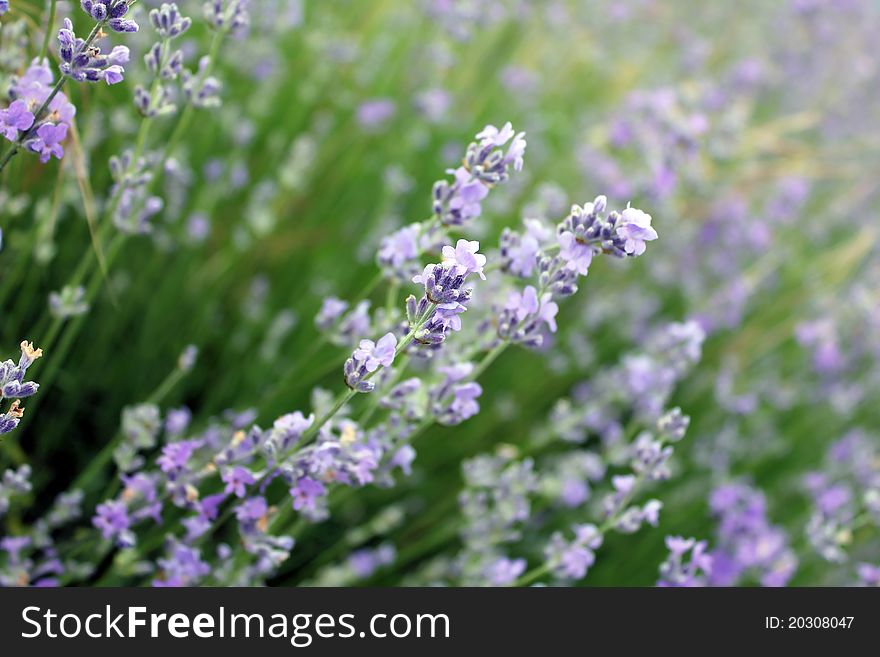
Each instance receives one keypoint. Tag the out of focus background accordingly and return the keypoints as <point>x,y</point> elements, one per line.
<point>748,131</point>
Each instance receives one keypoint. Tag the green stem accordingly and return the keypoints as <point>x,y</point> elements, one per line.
<point>50,23</point>
<point>489,358</point>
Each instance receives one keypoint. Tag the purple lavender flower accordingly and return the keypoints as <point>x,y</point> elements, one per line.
<point>177,420</point>
<point>14,483</point>
<point>492,137</point>
<point>227,15</point>
<point>47,141</point>
<point>17,117</point>
<point>183,566</point>
<point>519,253</point>
<point>433,104</point>
<point>305,494</point>
<point>168,22</point>
<point>454,399</point>
<point>747,542</point>
<point>112,519</point>
<point>86,63</point>
<point>175,456</point>
<point>251,511</point>
<point>869,575</point>
<point>465,258</point>
<point>578,255</point>
<point>399,247</point>
<point>674,572</point>
<point>13,545</point>
<point>376,354</point>
<point>634,226</point>
<point>504,571</point>
<point>365,562</point>
<point>330,312</point>
<point>433,316</point>
<point>13,386</point>
<point>366,359</point>
<point>524,316</point>
<point>237,480</point>
<point>403,458</point>
<point>571,560</point>
<point>4,6</point>
<point>485,164</point>
<point>111,12</point>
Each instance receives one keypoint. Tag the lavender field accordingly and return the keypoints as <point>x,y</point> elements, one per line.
<point>442,292</point>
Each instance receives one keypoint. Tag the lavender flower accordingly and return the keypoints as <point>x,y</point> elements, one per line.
<point>519,253</point>
<point>14,387</point>
<point>504,571</point>
<point>182,566</point>
<point>305,494</point>
<point>200,88</point>
<point>845,495</point>
<point>437,313</point>
<point>47,141</point>
<point>111,12</point>
<point>675,572</point>
<point>570,560</point>
<point>454,399</point>
<point>525,315</point>
<point>4,6</point>
<point>163,61</point>
<point>465,258</point>
<point>237,480</point>
<point>230,15</point>
<point>17,117</point>
<point>12,484</point>
<point>113,522</point>
<point>85,63</point>
<point>635,227</point>
<point>485,164</point>
<point>69,302</point>
<point>747,543</point>
<point>366,359</point>
<point>168,21</point>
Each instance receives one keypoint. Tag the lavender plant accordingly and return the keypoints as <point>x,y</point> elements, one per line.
<point>470,410</point>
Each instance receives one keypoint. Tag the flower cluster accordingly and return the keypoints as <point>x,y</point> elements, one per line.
<point>13,484</point>
<point>495,503</point>
<point>557,263</point>
<point>676,571</point>
<point>570,560</point>
<point>437,313</point>
<point>227,14</point>
<point>747,544</point>
<point>135,206</point>
<point>86,63</point>
<point>501,492</point>
<point>845,495</point>
<point>163,62</point>
<point>38,115</point>
<point>14,387</point>
<point>366,359</point>
<point>68,302</point>
<point>111,12</point>
<point>485,164</point>
<point>34,558</point>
